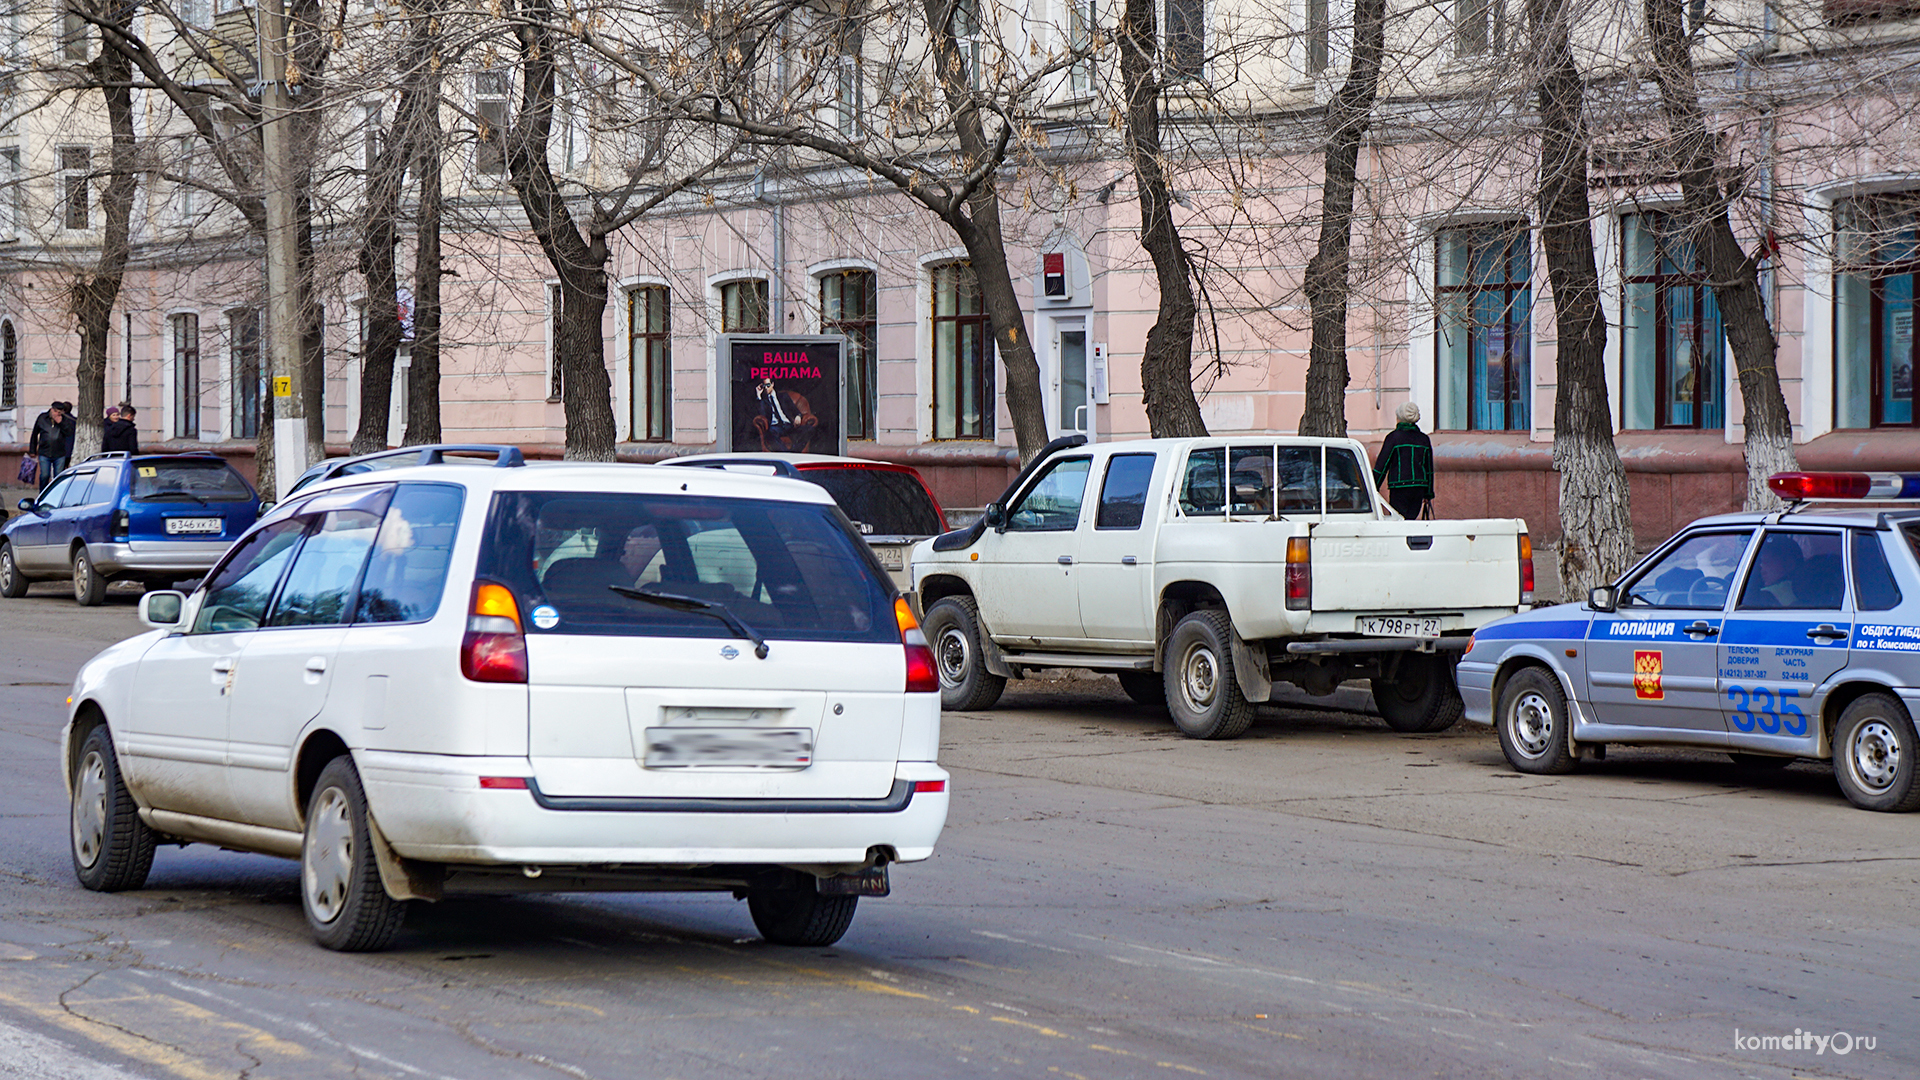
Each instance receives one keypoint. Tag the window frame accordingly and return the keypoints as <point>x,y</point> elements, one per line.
<point>183,359</point>
<point>556,371</point>
<point>981,356</point>
<point>1146,493</point>
<point>650,387</point>
<point>244,336</point>
<point>731,312</point>
<point>1183,52</point>
<point>9,365</point>
<point>1709,372</point>
<point>490,145</point>
<point>861,409</point>
<point>76,200</point>
<point>1875,274</point>
<point>1516,296</point>
<point>1052,467</point>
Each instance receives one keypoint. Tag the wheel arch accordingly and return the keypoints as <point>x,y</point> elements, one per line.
<point>1178,600</point>
<point>1845,694</point>
<point>319,747</point>
<point>937,587</point>
<point>1519,660</point>
<point>88,716</point>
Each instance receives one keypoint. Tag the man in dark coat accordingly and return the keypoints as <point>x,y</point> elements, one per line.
<point>1405,464</point>
<point>52,440</point>
<point>122,432</point>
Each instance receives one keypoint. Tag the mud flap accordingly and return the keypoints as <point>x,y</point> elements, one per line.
<point>1250,671</point>
<point>404,879</point>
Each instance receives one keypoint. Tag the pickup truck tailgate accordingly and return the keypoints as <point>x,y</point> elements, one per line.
<point>1396,566</point>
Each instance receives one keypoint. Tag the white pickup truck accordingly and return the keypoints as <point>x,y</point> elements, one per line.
<point>1204,571</point>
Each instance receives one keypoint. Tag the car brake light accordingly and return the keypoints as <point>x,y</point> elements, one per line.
<point>1845,485</point>
<point>922,678</point>
<point>494,649</point>
<point>1299,574</point>
<point>1526,569</point>
<point>929,786</point>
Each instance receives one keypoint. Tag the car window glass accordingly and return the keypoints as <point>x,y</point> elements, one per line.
<point>1873,586</point>
<point>1346,484</point>
<point>238,592</point>
<point>1695,573</point>
<point>1298,471</point>
<point>105,484</point>
<point>1053,502</point>
<point>320,585</point>
<point>1796,570</point>
<point>1203,490</point>
<point>55,496</point>
<point>188,480</point>
<point>1250,481</point>
<point>881,502</point>
<point>1123,494</point>
<point>408,571</point>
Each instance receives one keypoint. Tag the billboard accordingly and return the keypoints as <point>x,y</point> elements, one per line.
<point>782,394</point>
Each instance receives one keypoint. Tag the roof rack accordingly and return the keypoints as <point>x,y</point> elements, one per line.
<point>504,457</point>
<point>107,454</point>
<point>780,467</point>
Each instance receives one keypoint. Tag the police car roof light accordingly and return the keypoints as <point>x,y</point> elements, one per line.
<point>1801,486</point>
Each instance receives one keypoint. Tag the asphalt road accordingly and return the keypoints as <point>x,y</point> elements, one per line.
<point>1319,898</point>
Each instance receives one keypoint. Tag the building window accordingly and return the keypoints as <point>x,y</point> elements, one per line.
<point>1876,266</point>
<point>743,307</point>
<point>962,356</point>
<point>73,35</point>
<point>969,39</point>
<point>243,326</point>
<point>1484,341</point>
<point>1476,27</point>
<point>1184,48</point>
<point>848,95</point>
<point>9,367</point>
<point>185,197</point>
<point>1673,367</point>
<point>76,165</point>
<point>849,306</point>
<point>1080,27</point>
<point>13,218</point>
<point>650,356</point>
<point>491,89</point>
<point>1319,36</point>
<point>556,368</point>
<point>185,333</point>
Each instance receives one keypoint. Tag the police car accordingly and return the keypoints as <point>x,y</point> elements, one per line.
<point>1773,636</point>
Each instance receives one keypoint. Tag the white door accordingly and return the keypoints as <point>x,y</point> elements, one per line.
<point>1026,584</point>
<point>1072,403</point>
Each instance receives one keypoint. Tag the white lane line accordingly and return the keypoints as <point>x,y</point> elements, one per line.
<point>1019,941</point>
<point>26,1056</point>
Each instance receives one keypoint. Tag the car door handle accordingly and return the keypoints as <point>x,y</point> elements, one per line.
<point>222,667</point>
<point>1701,627</point>
<point>1826,630</point>
<point>1129,560</point>
<point>317,664</point>
<point>1066,560</point>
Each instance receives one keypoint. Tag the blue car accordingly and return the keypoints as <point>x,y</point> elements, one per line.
<point>153,518</point>
<point>1769,636</point>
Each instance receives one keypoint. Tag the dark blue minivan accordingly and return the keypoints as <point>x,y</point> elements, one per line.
<point>153,518</point>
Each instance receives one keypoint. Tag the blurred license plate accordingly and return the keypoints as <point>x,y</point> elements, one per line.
<point>1396,626</point>
<point>178,525</point>
<point>689,747</point>
<point>891,558</point>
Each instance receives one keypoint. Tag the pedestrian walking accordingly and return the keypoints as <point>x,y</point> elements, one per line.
<point>1405,465</point>
<point>123,431</point>
<point>52,440</point>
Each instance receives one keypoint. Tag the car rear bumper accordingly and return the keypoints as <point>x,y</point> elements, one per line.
<point>158,556</point>
<point>432,807</point>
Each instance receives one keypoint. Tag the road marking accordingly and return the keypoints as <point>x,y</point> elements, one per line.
<point>1047,1031</point>
<point>36,1057</point>
<point>1017,941</point>
<point>120,1041</point>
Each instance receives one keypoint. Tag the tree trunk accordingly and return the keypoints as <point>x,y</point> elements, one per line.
<point>310,43</point>
<point>423,373</point>
<point>1595,522</point>
<point>581,268</point>
<point>95,292</point>
<point>1328,279</point>
<point>1166,363</point>
<point>1732,273</point>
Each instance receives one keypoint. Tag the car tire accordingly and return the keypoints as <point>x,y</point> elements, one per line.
<point>1145,688</point>
<point>347,907</point>
<point>1875,755</point>
<point>796,914</point>
<point>1760,763</point>
<point>1535,725</point>
<point>1202,693</point>
<point>13,584</point>
<point>112,848</point>
<point>953,629</point>
<point>89,588</point>
<point>1422,698</point>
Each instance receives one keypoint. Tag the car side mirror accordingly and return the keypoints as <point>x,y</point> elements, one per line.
<point>162,609</point>
<point>26,504</point>
<point>995,516</point>
<point>1601,598</point>
<point>266,506</point>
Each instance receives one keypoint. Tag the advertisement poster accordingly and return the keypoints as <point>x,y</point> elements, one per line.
<point>782,394</point>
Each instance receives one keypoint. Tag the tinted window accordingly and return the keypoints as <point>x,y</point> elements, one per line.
<point>1204,490</point>
<point>187,481</point>
<point>1695,573</point>
<point>408,571</point>
<point>56,496</point>
<point>881,502</point>
<point>1123,494</point>
<point>1346,484</point>
<point>1053,502</point>
<point>1796,570</point>
<point>320,585</point>
<point>788,570</point>
<point>1298,471</point>
<point>1250,480</point>
<point>1873,586</point>
<point>238,592</point>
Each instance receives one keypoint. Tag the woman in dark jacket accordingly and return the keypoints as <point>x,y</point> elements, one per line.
<point>122,433</point>
<point>1406,464</point>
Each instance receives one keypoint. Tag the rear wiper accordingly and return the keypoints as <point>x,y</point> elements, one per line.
<point>174,494</point>
<point>698,607</point>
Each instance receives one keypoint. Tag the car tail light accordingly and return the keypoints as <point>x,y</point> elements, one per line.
<point>1299,574</point>
<point>922,678</point>
<point>929,786</point>
<point>1526,569</point>
<point>494,649</point>
<point>504,783</point>
<point>122,524</point>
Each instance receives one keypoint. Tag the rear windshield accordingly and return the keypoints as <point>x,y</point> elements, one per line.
<point>881,502</point>
<point>188,481</point>
<point>789,571</point>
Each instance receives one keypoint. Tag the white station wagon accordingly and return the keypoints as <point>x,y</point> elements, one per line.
<point>486,678</point>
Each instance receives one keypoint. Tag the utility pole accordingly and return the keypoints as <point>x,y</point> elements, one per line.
<point>284,332</point>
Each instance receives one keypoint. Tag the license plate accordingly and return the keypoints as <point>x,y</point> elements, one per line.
<point>891,558</point>
<point>1400,626</point>
<point>696,747</point>
<point>178,525</point>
